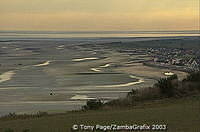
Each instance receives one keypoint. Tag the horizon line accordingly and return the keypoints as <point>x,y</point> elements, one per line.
<point>96,31</point>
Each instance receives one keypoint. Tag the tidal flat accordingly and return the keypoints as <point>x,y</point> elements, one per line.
<point>60,75</point>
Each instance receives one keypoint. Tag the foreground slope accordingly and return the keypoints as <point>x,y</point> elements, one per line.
<point>181,115</point>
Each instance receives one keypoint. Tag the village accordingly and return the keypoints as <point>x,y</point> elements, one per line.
<point>179,59</point>
<point>187,60</point>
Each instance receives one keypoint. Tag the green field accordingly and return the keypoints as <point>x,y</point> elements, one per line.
<point>180,115</point>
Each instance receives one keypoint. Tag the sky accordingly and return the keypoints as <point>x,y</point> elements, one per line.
<point>99,15</point>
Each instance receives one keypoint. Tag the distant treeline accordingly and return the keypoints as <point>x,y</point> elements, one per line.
<point>183,42</point>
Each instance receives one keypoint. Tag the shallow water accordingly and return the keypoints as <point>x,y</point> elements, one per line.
<point>47,78</point>
<point>57,75</point>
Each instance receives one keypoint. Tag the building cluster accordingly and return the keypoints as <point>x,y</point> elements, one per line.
<point>184,58</point>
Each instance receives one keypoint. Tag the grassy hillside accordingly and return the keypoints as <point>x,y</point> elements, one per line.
<point>181,115</point>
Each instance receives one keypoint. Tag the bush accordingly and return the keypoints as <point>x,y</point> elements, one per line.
<point>93,104</point>
<point>132,93</point>
<point>193,77</point>
<point>123,102</point>
<point>12,114</point>
<point>168,85</point>
<point>194,80</point>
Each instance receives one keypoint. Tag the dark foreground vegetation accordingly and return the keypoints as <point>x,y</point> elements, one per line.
<point>170,101</point>
<point>169,87</point>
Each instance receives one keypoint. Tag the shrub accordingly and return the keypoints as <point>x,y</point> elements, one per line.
<point>132,93</point>
<point>93,104</point>
<point>123,102</point>
<point>194,80</point>
<point>193,77</point>
<point>168,85</point>
<point>12,114</point>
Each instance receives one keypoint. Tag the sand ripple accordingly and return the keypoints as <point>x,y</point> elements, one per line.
<point>82,59</point>
<point>140,80</point>
<point>95,69</point>
<point>6,76</point>
<point>43,64</point>
<point>81,97</point>
<point>106,65</point>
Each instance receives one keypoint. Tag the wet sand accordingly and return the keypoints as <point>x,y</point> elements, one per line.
<point>140,70</point>
<point>6,76</point>
<point>43,64</point>
<point>72,74</point>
